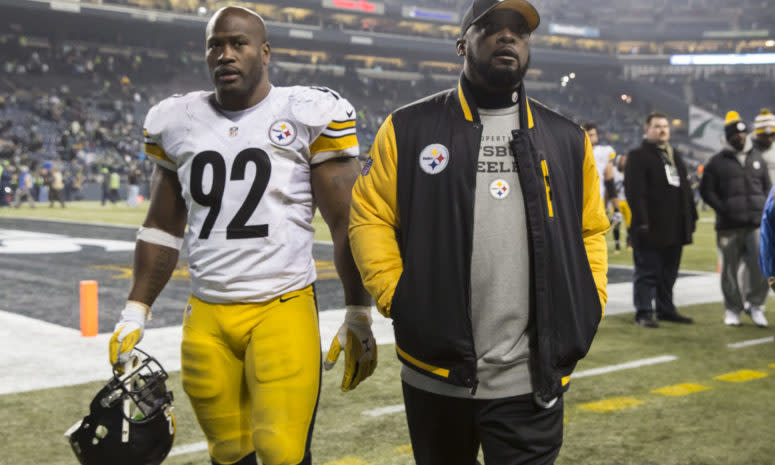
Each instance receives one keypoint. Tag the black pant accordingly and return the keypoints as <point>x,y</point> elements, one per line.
<point>512,431</point>
<point>655,273</point>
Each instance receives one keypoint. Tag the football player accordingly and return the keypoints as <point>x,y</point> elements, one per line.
<point>604,161</point>
<point>244,167</point>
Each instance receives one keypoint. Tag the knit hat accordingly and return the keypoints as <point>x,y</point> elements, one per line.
<point>764,122</point>
<point>733,124</point>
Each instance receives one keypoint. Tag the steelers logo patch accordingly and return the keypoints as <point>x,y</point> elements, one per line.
<point>500,189</point>
<point>434,158</point>
<point>282,132</point>
<point>756,165</point>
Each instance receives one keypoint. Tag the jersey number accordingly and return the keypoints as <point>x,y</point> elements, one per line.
<point>237,229</point>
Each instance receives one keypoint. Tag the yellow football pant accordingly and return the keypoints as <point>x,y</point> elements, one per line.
<point>624,209</point>
<point>252,373</point>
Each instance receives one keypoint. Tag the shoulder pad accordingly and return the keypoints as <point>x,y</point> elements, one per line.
<point>318,106</point>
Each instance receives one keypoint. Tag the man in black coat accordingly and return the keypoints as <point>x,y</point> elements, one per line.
<point>735,184</point>
<point>663,219</point>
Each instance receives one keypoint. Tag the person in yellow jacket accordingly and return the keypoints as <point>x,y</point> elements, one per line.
<point>479,228</point>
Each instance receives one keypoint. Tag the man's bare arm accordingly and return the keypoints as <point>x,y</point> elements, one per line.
<point>332,184</point>
<point>154,263</point>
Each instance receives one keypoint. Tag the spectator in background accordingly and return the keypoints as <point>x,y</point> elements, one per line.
<point>762,138</point>
<point>56,188</point>
<point>663,221</point>
<point>114,185</point>
<point>735,184</point>
<point>604,162</point>
<point>5,180</point>
<point>106,195</point>
<point>624,215</point>
<point>24,189</point>
<point>133,189</point>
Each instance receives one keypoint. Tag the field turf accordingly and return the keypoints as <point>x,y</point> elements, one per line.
<point>712,404</point>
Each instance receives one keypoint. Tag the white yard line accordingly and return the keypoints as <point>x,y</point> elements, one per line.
<point>378,412</point>
<point>188,448</point>
<point>752,342</point>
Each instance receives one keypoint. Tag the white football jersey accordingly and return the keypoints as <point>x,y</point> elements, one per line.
<point>603,154</point>
<point>246,182</point>
<point>619,182</point>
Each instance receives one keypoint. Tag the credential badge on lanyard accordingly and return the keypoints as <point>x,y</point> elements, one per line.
<point>672,175</point>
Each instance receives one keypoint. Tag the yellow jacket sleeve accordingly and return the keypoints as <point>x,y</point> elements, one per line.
<point>374,220</point>
<point>594,224</point>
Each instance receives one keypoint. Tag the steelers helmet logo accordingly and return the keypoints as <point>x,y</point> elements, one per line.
<point>500,189</point>
<point>282,132</point>
<point>434,158</point>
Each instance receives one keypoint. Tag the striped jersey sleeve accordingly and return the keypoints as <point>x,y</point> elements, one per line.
<point>339,138</point>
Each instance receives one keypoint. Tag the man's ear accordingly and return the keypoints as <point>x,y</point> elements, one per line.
<point>460,45</point>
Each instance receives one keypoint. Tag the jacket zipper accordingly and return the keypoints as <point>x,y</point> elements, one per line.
<point>547,184</point>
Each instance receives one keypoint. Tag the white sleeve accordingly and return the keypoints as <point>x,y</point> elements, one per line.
<point>338,138</point>
<point>153,131</point>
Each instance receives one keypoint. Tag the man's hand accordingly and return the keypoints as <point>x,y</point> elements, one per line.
<point>128,332</point>
<point>360,348</point>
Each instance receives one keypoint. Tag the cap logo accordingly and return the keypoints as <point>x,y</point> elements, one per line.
<point>434,158</point>
<point>756,165</point>
<point>282,132</point>
<point>741,126</point>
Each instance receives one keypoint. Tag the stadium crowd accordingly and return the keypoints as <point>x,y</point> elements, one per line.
<point>82,105</point>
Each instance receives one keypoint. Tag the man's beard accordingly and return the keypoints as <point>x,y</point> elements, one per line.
<point>763,143</point>
<point>737,144</point>
<point>498,78</point>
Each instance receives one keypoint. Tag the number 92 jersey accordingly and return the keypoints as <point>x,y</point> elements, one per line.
<point>245,177</point>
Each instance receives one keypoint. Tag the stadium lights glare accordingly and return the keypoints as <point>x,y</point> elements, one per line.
<point>572,75</point>
<point>769,43</point>
<point>724,59</point>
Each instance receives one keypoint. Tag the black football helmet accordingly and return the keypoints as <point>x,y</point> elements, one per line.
<point>130,420</point>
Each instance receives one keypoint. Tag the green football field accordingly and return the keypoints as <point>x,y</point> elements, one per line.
<point>701,394</point>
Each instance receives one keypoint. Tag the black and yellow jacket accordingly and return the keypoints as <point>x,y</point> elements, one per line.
<point>411,234</point>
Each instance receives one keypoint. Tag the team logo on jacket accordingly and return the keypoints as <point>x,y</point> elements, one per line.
<point>756,165</point>
<point>434,158</point>
<point>500,189</point>
<point>282,132</point>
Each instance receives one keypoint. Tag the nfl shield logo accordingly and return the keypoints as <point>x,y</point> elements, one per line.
<point>233,131</point>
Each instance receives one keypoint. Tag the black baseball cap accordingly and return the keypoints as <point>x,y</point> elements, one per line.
<point>479,8</point>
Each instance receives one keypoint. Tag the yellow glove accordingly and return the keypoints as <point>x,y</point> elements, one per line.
<point>128,332</point>
<point>360,348</point>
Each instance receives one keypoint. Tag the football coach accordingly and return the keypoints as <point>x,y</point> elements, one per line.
<point>478,227</point>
